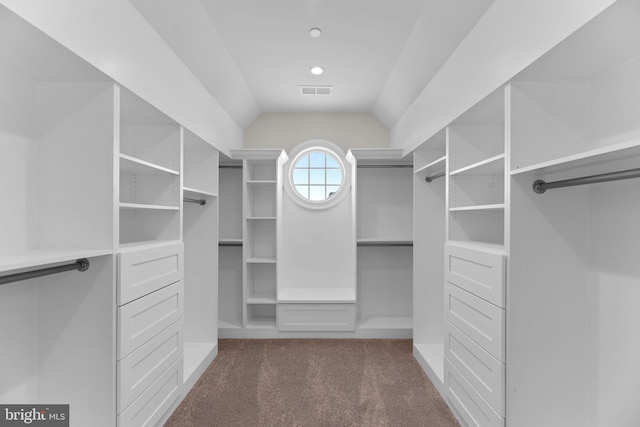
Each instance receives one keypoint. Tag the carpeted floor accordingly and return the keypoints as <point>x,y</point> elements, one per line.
<point>313,383</point>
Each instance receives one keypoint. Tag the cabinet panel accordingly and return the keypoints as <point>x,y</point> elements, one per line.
<point>144,318</point>
<point>316,317</point>
<point>481,321</point>
<point>481,273</point>
<point>143,271</point>
<point>141,368</point>
<point>473,409</point>
<point>149,408</point>
<point>480,369</point>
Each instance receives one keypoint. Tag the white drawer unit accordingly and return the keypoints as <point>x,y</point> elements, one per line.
<point>481,272</point>
<point>149,408</point>
<point>468,403</point>
<point>485,373</point>
<point>483,322</point>
<point>316,317</point>
<point>144,270</point>
<point>144,318</point>
<point>141,368</point>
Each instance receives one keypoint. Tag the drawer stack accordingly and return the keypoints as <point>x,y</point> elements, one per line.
<point>474,342</point>
<point>150,336</point>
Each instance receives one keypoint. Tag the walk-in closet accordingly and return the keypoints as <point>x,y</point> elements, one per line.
<point>449,184</point>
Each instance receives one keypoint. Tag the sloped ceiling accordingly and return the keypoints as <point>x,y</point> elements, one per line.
<point>253,55</point>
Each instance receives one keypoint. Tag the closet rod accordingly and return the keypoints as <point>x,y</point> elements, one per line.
<point>540,186</point>
<point>383,166</point>
<point>80,265</point>
<point>436,176</point>
<point>201,202</point>
<point>230,166</point>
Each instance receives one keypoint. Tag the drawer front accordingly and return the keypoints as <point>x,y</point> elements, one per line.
<point>481,273</point>
<point>143,271</point>
<point>479,368</point>
<point>144,318</point>
<point>141,368</point>
<point>149,408</point>
<point>469,405</point>
<point>316,317</point>
<point>483,322</point>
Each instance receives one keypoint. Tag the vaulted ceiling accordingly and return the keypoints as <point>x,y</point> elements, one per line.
<point>254,55</point>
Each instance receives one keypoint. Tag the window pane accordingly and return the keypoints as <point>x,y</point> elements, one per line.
<point>303,162</point>
<point>317,159</point>
<point>331,189</point>
<point>316,176</point>
<point>332,162</point>
<point>301,176</point>
<point>303,190</point>
<point>317,193</point>
<point>334,176</point>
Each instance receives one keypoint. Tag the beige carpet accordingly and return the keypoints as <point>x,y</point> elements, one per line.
<point>313,383</point>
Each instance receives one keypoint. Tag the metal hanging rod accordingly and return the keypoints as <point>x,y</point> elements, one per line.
<point>436,176</point>
<point>201,202</point>
<point>540,186</point>
<point>80,265</point>
<point>383,166</point>
<point>230,166</point>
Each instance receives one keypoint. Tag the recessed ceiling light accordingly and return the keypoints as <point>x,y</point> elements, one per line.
<point>315,32</point>
<point>316,70</point>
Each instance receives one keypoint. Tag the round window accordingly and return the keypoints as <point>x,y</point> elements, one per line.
<point>317,176</point>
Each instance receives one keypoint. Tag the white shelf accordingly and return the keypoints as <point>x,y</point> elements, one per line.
<point>261,324</point>
<point>434,167</point>
<point>478,246</point>
<point>193,192</point>
<point>261,218</point>
<point>588,158</point>
<point>387,323</point>
<point>38,258</point>
<point>316,295</point>
<point>493,207</point>
<point>227,325</point>
<point>262,260</point>
<point>262,298</point>
<point>133,165</point>
<point>146,245</point>
<point>376,241</point>
<point>491,166</point>
<point>267,182</point>
<point>148,207</point>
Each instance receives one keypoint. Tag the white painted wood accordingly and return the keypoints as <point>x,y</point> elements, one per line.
<point>140,369</point>
<point>431,359</point>
<point>316,317</point>
<point>230,203</point>
<point>150,407</point>
<point>467,402</point>
<point>316,295</point>
<point>479,368</point>
<point>261,316</point>
<point>144,318</point>
<point>200,167</point>
<point>482,224</point>
<point>481,321</point>
<point>143,271</point>
<point>476,271</point>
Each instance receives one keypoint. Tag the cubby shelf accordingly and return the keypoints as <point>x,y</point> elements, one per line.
<point>491,166</point>
<point>148,207</point>
<point>135,166</point>
<point>316,295</point>
<point>262,298</point>
<point>434,167</point>
<point>610,153</point>
<point>261,260</point>
<point>492,207</point>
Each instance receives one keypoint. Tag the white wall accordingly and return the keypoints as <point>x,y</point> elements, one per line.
<point>113,37</point>
<point>286,130</point>
<point>510,36</point>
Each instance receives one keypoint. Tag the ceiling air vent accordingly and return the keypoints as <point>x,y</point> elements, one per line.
<point>316,90</point>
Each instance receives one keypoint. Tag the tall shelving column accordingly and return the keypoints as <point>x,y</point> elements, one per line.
<point>384,214</point>
<point>231,299</point>
<point>57,176</point>
<point>475,262</point>
<point>200,233</point>
<point>261,183</point>
<point>429,215</point>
